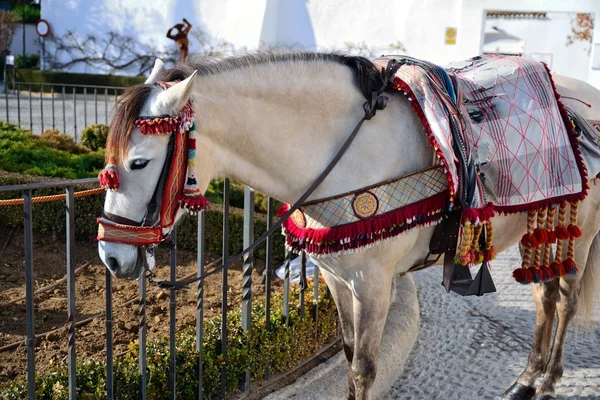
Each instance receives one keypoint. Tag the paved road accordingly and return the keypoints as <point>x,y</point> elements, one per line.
<point>70,115</point>
<point>474,348</point>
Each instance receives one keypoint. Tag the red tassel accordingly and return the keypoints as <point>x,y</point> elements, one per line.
<point>570,266</point>
<point>561,232</point>
<point>540,235</point>
<point>574,231</point>
<point>529,240</point>
<point>470,214</point>
<point>109,178</point>
<point>488,212</point>
<point>548,274</point>
<point>557,268</point>
<point>490,254</point>
<point>528,275</point>
<point>194,204</point>
<point>519,275</point>
<point>551,235</point>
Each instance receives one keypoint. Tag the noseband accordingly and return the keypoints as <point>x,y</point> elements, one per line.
<point>174,188</point>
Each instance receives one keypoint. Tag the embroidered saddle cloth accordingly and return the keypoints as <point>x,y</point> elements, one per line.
<point>497,116</point>
<point>516,132</point>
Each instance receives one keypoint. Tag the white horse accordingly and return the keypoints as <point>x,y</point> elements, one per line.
<point>274,122</point>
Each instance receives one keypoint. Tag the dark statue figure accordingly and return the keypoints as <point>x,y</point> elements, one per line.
<point>181,38</point>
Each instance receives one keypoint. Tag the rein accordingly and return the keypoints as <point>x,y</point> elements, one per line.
<point>375,101</point>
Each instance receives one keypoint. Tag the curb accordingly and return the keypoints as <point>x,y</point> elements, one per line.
<point>328,381</point>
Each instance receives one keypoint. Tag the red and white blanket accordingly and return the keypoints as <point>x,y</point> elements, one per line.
<point>516,130</point>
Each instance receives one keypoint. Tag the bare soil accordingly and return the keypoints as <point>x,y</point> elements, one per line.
<point>51,306</point>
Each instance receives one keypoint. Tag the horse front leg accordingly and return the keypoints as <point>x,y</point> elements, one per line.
<point>342,295</point>
<point>545,296</point>
<point>372,294</point>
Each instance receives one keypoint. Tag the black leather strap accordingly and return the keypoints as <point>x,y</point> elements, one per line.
<point>377,102</point>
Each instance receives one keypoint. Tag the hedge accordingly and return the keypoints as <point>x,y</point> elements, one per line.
<point>50,154</point>
<point>36,76</point>
<point>280,349</point>
<point>50,218</point>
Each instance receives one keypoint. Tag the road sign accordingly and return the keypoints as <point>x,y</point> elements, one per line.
<point>43,28</point>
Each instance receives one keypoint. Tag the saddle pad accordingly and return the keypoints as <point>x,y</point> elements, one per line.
<point>517,133</point>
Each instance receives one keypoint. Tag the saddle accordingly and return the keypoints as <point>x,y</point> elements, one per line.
<point>492,122</point>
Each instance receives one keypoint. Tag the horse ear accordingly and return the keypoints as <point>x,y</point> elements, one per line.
<point>158,67</point>
<point>173,99</point>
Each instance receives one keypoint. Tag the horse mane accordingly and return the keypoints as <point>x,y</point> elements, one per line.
<point>367,78</point>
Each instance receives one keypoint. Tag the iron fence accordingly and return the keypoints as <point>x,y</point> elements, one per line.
<point>67,108</point>
<point>248,264</point>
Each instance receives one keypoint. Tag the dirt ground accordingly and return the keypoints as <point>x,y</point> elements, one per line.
<point>51,305</point>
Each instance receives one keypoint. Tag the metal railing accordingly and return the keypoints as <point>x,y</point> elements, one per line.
<point>246,304</point>
<point>65,107</point>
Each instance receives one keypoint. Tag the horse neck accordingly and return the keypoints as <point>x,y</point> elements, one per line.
<point>277,127</point>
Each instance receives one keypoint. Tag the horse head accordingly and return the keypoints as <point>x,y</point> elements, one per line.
<point>139,149</point>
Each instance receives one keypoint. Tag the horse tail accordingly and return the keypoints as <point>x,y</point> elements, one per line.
<point>589,295</point>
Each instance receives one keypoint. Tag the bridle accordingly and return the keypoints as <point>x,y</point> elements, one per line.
<point>118,226</point>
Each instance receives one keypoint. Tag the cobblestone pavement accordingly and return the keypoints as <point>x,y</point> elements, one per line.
<point>474,348</point>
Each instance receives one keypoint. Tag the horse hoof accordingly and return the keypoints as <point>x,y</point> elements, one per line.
<point>519,392</point>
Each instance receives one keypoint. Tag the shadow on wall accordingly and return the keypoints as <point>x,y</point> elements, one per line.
<point>287,24</point>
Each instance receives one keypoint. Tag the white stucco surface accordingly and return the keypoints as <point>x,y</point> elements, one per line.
<point>373,26</point>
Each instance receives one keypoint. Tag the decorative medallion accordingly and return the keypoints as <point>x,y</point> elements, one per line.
<point>299,218</point>
<point>365,205</point>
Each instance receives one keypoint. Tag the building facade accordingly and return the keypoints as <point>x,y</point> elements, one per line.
<point>441,31</point>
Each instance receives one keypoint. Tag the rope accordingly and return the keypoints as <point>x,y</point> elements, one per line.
<point>47,199</point>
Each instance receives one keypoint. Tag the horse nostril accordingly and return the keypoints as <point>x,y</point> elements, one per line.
<point>112,264</point>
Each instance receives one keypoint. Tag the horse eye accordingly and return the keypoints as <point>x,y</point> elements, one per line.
<point>139,164</point>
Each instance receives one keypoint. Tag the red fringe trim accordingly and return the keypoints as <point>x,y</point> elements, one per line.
<point>361,233</point>
<point>194,204</point>
<point>403,86</point>
<point>158,126</point>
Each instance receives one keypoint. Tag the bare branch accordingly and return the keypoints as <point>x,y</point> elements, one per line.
<point>115,52</point>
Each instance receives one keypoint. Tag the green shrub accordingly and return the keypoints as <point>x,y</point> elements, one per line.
<point>51,154</point>
<point>26,13</point>
<point>94,136</point>
<point>214,194</point>
<point>281,348</point>
<point>27,61</point>
<point>53,138</point>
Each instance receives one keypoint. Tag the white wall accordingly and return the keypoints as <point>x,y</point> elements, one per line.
<point>550,36</point>
<point>306,24</point>
<point>31,43</point>
<point>470,37</point>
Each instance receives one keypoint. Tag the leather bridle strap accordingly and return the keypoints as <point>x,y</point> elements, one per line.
<point>370,107</point>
